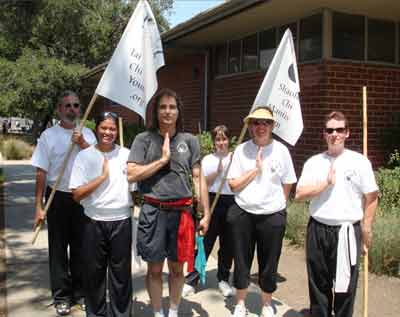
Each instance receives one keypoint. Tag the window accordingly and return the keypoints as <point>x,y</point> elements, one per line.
<point>381,41</point>
<point>311,38</point>
<point>267,47</point>
<point>221,61</point>
<point>234,56</point>
<point>250,57</point>
<point>348,36</point>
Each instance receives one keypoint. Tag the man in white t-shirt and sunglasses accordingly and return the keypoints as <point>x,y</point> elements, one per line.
<point>341,186</point>
<point>65,216</point>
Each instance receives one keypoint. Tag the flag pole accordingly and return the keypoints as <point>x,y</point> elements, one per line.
<point>365,152</point>
<point>63,166</point>
<point>121,132</point>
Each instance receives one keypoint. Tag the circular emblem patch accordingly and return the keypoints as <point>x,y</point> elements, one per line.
<point>182,148</point>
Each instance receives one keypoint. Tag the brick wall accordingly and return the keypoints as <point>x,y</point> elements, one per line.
<point>186,77</point>
<point>325,87</point>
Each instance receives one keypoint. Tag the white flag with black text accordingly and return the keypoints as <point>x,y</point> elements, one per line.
<point>130,78</point>
<point>280,91</point>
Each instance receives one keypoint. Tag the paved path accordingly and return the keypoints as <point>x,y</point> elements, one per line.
<point>27,267</point>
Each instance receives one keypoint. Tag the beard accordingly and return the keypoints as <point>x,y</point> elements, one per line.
<point>69,117</point>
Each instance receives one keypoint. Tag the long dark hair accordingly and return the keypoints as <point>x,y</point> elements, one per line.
<point>166,92</point>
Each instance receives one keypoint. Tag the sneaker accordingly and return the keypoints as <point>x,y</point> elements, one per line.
<point>240,311</point>
<point>172,313</point>
<point>63,308</point>
<point>188,290</point>
<point>267,311</point>
<point>159,314</point>
<point>225,289</point>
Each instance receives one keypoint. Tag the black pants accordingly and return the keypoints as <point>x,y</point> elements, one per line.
<point>265,231</point>
<point>321,250</point>
<point>65,223</point>
<point>218,228</point>
<point>107,245</point>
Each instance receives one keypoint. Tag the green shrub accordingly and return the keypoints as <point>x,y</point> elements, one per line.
<point>130,132</point>
<point>394,159</point>
<point>384,255</point>
<point>207,144</point>
<point>389,189</point>
<point>1,176</point>
<point>15,149</point>
<point>297,219</point>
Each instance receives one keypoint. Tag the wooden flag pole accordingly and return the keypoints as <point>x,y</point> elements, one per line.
<point>365,152</point>
<point>64,164</point>
<point>120,132</point>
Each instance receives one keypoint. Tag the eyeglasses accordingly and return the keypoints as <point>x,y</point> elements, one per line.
<point>72,105</point>
<point>338,130</point>
<point>261,122</point>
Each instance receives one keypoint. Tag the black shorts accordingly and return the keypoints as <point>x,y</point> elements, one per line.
<point>157,234</point>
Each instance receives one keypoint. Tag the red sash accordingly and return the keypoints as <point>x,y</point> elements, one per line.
<point>186,230</point>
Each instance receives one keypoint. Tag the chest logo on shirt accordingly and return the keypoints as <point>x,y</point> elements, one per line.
<point>182,147</point>
<point>349,175</point>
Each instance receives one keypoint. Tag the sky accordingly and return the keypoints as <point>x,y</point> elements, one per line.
<point>183,10</point>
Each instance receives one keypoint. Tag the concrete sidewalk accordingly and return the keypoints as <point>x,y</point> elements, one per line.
<point>27,265</point>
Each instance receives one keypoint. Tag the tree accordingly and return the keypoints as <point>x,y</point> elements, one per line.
<point>33,82</point>
<point>45,45</point>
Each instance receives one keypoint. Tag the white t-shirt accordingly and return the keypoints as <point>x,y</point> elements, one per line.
<point>112,200</point>
<point>264,195</point>
<point>342,202</point>
<point>50,152</point>
<point>209,165</point>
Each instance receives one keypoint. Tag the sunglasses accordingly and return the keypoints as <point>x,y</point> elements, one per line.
<point>110,114</point>
<point>72,105</point>
<point>338,130</point>
<point>262,122</point>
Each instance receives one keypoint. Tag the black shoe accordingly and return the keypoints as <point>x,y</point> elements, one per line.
<point>63,308</point>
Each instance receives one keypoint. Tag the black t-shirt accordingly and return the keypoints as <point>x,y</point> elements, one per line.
<point>173,180</point>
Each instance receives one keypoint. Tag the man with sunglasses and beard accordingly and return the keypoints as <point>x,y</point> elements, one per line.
<point>341,186</point>
<point>65,216</point>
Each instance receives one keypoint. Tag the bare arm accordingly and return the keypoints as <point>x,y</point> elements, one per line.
<point>85,190</point>
<point>238,183</point>
<point>370,204</point>
<point>138,172</point>
<point>39,192</point>
<point>286,190</point>
<point>201,190</point>
<point>210,178</point>
<point>306,192</point>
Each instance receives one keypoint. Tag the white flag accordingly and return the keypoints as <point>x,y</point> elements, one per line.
<point>280,91</point>
<point>130,78</point>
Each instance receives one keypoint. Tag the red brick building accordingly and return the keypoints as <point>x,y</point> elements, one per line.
<point>217,60</point>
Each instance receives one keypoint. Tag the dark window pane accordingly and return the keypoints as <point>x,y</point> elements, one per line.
<point>311,38</point>
<point>381,40</point>
<point>234,57</point>
<point>267,47</point>
<point>250,53</point>
<point>220,55</point>
<point>348,36</point>
<point>293,28</point>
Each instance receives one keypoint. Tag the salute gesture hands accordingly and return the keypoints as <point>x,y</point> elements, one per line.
<point>259,160</point>
<point>166,152</point>
<point>331,179</point>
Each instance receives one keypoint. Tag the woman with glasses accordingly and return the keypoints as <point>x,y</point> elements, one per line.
<point>214,166</point>
<point>99,182</point>
<point>261,176</point>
